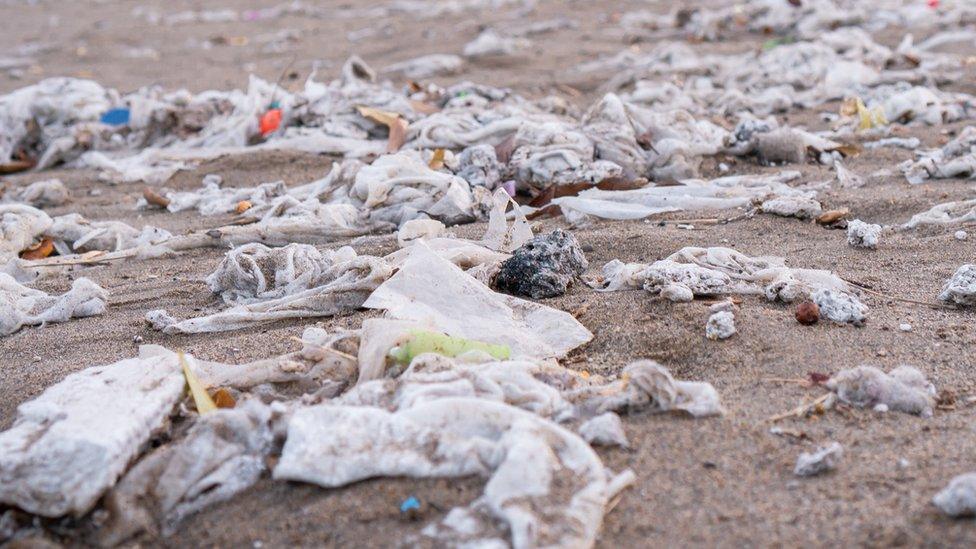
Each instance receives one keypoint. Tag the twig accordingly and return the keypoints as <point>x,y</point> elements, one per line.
<point>798,381</point>
<point>895,298</point>
<point>800,410</point>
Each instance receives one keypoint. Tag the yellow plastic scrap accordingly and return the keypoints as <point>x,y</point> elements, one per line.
<point>420,342</point>
<point>201,399</point>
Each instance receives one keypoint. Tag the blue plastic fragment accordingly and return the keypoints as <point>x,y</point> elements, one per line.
<point>410,504</point>
<point>116,117</point>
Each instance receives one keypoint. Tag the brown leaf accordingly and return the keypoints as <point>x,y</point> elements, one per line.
<point>832,216</point>
<point>40,250</point>
<point>849,150</point>
<point>154,198</point>
<point>398,134</point>
<point>424,108</point>
<point>544,197</point>
<point>505,149</point>
<point>15,166</point>
<point>437,161</point>
<point>396,124</point>
<point>223,399</point>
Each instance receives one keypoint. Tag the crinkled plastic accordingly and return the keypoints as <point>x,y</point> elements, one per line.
<point>22,306</point>
<point>317,289</point>
<point>903,389</point>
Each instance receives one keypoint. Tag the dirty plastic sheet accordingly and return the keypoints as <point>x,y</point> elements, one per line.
<point>691,194</point>
<point>70,444</point>
<point>431,290</point>
<point>521,454</point>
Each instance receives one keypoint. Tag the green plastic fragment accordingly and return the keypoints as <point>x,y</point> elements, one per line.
<point>420,342</point>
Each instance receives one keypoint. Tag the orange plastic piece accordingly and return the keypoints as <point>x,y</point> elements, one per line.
<point>270,121</point>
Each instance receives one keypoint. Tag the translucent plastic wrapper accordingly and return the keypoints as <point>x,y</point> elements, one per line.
<point>430,289</point>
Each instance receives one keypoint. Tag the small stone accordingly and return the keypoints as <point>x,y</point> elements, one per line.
<point>720,325</point>
<point>137,339</point>
<point>863,235</point>
<point>543,267</point>
<point>905,327</point>
<point>808,313</point>
<point>961,235</point>
<point>825,459</point>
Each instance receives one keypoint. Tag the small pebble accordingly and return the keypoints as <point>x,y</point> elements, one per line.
<point>961,235</point>
<point>807,313</point>
<point>905,327</point>
<point>137,339</point>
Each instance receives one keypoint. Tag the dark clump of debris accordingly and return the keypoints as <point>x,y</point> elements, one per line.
<point>543,267</point>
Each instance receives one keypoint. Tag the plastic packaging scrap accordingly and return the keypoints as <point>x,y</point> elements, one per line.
<point>70,444</point>
<point>542,267</point>
<point>961,288</point>
<point>958,499</point>
<point>40,194</point>
<point>430,289</point>
<point>604,430</point>
<point>903,389</point>
<point>268,284</point>
<point>949,213</point>
<point>956,159</point>
<point>221,455</point>
<point>521,454</point>
<point>720,325</point>
<point>22,306</point>
<point>718,271</point>
<point>863,235</point>
<point>825,459</point>
<point>721,193</point>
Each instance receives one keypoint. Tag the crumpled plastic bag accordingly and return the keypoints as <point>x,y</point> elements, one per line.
<point>222,455</point>
<point>903,389</point>
<point>22,306</point>
<point>342,286</point>
<point>521,454</point>
<point>40,194</point>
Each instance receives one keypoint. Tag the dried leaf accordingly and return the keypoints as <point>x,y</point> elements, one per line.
<point>832,216</point>
<point>505,149</point>
<point>154,198</point>
<point>40,250</point>
<point>15,166</point>
<point>424,108</point>
<point>398,135</point>
<point>223,399</point>
<point>243,206</point>
<point>396,124</point>
<point>818,378</point>
<point>437,161</point>
<point>387,118</point>
<point>201,399</point>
